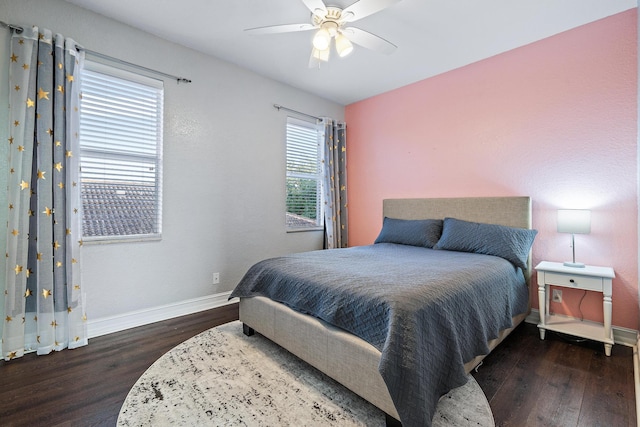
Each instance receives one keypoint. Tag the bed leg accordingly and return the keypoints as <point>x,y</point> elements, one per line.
<point>247,330</point>
<point>391,422</point>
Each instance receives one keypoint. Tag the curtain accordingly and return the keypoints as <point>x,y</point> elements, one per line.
<point>335,184</point>
<point>44,306</point>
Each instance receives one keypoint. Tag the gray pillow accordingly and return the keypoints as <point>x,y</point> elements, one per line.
<point>510,243</point>
<point>413,232</point>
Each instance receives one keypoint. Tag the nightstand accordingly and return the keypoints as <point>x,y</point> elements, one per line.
<point>589,278</point>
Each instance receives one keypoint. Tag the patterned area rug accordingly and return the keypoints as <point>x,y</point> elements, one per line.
<point>223,378</point>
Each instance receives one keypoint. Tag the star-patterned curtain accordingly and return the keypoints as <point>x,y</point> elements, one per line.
<point>335,184</point>
<point>44,306</point>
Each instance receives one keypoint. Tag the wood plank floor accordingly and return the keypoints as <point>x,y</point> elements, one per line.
<point>87,386</point>
<point>558,382</point>
<point>528,382</point>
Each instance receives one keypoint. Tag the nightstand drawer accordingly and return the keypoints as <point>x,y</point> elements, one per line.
<point>574,281</point>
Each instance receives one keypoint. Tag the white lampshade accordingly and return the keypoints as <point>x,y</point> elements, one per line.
<point>322,39</point>
<point>574,221</point>
<point>343,46</point>
<point>322,55</point>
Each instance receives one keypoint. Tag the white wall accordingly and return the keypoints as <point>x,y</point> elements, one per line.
<point>224,167</point>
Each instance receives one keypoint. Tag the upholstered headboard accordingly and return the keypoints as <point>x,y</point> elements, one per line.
<point>509,211</point>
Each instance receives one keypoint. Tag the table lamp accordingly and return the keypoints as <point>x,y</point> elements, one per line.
<point>574,221</point>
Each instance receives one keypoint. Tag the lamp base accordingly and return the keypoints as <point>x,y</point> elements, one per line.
<point>573,264</point>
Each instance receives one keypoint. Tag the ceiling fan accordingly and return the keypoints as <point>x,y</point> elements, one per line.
<point>330,25</point>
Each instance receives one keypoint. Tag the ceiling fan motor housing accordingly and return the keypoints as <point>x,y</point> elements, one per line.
<point>333,17</point>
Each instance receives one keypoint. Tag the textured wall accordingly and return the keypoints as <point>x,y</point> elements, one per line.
<point>555,120</point>
<point>224,168</point>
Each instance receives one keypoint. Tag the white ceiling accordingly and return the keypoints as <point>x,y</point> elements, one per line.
<point>433,36</point>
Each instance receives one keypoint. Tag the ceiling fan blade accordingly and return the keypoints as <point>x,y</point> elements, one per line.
<point>368,40</point>
<point>363,8</point>
<point>317,7</point>
<point>274,29</point>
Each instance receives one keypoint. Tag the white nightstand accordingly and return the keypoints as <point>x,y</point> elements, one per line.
<point>589,278</point>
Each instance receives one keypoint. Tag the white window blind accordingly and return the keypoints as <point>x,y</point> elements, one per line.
<point>121,153</point>
<point>304,175</point>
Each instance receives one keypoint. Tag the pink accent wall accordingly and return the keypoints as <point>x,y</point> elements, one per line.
<point>554,120</point>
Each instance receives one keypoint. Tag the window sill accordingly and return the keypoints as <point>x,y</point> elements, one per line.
<point>300,230</point>
<point>90,241</point>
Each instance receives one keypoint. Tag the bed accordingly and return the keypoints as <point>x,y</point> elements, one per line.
<point>399,352</point>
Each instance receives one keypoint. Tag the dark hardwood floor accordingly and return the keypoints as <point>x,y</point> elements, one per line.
<point>558,382</point>
<point>87,386</point>
<point>528,382</point>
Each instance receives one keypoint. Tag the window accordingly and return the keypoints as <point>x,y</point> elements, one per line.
<point>120,154</point>
<point>304,176</point>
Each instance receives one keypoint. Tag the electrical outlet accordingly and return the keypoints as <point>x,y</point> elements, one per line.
<point>216,278</point>
<point>556,296</point>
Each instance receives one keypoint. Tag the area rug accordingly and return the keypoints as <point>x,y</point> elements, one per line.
<point>224,378</point>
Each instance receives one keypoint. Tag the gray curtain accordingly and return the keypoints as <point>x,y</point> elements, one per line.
<point>43,308</point>
<point>335,184</point>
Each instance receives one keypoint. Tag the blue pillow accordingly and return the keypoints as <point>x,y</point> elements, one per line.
<point>414,232</point>
<point>512,244</point>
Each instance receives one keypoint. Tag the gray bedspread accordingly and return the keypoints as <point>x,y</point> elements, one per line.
<point>427,311</point>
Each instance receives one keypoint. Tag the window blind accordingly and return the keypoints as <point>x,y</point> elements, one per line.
<point>121,153</point>
<point>304,179</point>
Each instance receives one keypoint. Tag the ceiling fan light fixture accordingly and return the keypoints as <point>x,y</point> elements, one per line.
<point>331,27</point>
<point>343,46</point>
<point>322,39</point>
<point>321,55</point>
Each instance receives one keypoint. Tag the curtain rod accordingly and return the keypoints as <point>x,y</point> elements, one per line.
<point>11,27</point>
<point>130,64</point>
<point>280,107</point>
<point>19,30</point>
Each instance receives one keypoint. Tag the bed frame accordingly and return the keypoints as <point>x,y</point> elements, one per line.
<point>348,359</point>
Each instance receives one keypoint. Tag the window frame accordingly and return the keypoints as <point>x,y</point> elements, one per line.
<point>319,175</point>
<point>120,73</point>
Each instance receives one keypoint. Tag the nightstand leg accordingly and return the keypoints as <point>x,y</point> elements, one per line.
<point>543,307</point>
<point>606,306</point>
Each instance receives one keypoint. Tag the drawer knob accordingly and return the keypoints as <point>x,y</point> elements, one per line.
<point>572,281</point>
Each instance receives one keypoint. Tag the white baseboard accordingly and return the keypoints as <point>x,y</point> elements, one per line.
<point>624,336</point>
<point>111,324</point>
